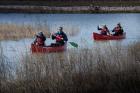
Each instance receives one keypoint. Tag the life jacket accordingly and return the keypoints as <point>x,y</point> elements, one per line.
<point>59,38</point>
<point>39,41</point>
<point>117,29</point>
<point>103,31</point>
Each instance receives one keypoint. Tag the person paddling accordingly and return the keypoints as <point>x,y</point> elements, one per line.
<point>60,37</point>
<point>104,30</point>
<point>118,30</point>
<point>40,39</point>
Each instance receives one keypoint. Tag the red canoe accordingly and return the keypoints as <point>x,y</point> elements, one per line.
<point>46,49</point>
<point>97,36</point>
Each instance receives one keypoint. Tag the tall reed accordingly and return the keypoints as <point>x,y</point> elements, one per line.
<point>19,31</point>
<point>110,70</point>
<point>14,31</point>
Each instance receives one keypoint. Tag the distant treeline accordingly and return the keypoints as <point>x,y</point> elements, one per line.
<point>63,2</point>
<point>70,0</point>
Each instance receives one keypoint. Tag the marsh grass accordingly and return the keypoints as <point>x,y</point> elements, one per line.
<point>72,30</point>
<point>15,31</point>
<point>5,71</point>
<point>78,71</point>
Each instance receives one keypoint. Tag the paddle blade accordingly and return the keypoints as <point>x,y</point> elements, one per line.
<point>74,44</point>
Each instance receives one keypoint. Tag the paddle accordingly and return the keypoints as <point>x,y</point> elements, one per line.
<point>71,43</point>
<point>74,44</point>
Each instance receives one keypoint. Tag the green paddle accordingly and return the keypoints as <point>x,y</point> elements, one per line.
<point>74,44</point>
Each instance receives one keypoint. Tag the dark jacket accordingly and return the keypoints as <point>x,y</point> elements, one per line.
<point>62,34</point>
<point>118,31</point>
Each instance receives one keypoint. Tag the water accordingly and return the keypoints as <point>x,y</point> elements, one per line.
<point>86,23</point>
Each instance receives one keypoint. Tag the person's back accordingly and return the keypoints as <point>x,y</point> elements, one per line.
<point>104,30</point>
<point>40,39</point>
<point>121,30</point>
<point>118,30</point>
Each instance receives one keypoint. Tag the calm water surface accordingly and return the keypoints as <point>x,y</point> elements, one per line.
<point>86,23</point>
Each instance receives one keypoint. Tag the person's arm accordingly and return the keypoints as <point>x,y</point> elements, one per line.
<point>99,28</point>
<point>35,40</point>
<point>108,31</point>
<point>53,36</point>
<point>113,30</point>
<point>122,30</point>
<point>65,36</point>
<point>44,37</point>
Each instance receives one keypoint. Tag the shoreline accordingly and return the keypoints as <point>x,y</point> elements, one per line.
<point>69,9</point>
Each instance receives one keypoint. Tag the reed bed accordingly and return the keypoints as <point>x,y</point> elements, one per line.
<point>15,31</point>
<point>116,70</point>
